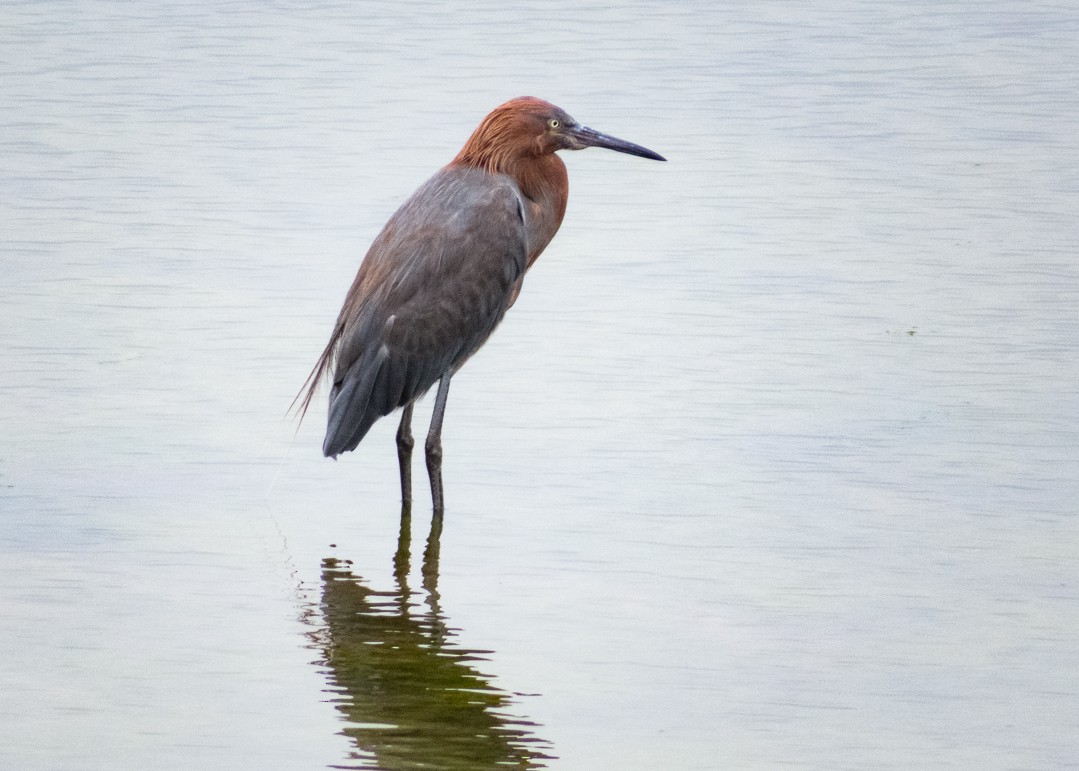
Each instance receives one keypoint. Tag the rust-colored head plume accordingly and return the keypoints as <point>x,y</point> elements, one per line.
<point>527,128</point>
<point>510,133</point>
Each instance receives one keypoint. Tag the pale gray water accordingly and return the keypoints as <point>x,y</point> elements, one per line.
<point>774,464</point>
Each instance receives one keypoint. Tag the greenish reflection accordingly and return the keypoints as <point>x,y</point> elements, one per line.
<point>412,698</point>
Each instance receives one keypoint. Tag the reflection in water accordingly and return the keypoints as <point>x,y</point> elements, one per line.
<point>412,698</point>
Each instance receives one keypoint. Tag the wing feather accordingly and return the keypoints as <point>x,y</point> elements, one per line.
<point>431,290</point>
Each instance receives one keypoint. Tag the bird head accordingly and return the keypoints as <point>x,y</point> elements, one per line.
<point>530,127</point>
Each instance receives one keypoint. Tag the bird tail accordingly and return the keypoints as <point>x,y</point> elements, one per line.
<point>352,410</point>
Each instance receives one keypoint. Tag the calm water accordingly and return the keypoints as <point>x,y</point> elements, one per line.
<point>774,464</point>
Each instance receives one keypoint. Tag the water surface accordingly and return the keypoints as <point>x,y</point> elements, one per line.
<point>774,462</point>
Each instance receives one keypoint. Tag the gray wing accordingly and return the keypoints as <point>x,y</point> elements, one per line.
<point>433,287</point>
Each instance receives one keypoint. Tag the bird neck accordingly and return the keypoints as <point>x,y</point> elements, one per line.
<point>542,179</point>
<point>545,183</point>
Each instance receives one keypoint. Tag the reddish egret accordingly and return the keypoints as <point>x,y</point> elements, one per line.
<point>443,272</point>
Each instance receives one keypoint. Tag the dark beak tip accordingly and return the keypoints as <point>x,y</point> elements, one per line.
<point>650,155</point>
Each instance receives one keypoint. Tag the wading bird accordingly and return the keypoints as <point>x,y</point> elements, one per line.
<point>443,272</point>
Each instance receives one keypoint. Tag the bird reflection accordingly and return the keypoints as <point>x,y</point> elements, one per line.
<point>411,697</point>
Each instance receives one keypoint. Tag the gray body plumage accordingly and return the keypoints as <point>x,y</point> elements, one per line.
<point>434,285</point>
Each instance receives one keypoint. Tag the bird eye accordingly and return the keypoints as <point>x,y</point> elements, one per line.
<point>554,123</point>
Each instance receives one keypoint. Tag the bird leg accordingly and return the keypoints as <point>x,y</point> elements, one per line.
<point>434,445</point>
<point>405,442</point>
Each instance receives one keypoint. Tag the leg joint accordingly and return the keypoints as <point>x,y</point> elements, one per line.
<point>433,448</point>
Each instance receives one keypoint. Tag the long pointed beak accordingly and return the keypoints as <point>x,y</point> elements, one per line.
<point>587,137</point>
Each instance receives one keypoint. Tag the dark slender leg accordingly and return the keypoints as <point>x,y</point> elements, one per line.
<point>405,443</point>
<point>434,444</point>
